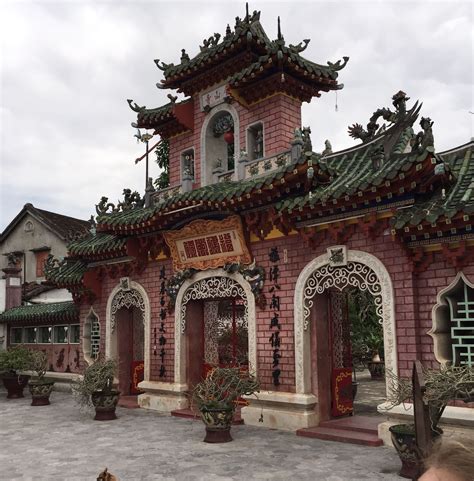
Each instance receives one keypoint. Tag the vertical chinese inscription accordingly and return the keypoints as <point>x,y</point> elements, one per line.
<point>275,326</point>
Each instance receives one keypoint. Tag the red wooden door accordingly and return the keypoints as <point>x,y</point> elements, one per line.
<point>341,356</point>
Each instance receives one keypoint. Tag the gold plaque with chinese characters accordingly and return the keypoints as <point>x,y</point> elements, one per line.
<point>207,244</point>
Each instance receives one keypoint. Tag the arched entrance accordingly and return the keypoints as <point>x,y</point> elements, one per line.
<point>217,155</point>
<point>127,337</point>
<point>214,315</point>
<point>328,274</point>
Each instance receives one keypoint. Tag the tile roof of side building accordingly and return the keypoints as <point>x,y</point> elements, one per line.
<point>61,225</point>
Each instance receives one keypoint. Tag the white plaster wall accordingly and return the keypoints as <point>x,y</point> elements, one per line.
<point>19,240</point>
<point>55,295</point>
<point>3,286</point>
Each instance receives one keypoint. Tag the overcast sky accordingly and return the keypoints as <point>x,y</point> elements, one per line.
<point>67,68</point>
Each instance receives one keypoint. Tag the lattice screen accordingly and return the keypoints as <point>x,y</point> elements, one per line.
<point>95,337</point>
<point>462,326</point>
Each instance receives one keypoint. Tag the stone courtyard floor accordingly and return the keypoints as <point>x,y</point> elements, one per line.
<point>58,442</point>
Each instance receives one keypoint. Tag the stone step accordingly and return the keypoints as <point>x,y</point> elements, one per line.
<point>364,424</point>
<point>341,435</point>
<point>129,402</point>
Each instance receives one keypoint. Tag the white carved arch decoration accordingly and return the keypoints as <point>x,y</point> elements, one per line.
<point>364,271</point>
<point>209,288</point>
<point>212,284</point>
<point>127,299</point>
<point>208,119</point>
<point>137,297</point>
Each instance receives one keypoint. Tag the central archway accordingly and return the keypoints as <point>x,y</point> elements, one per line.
<point>212,284</point>
<point>362,270</point>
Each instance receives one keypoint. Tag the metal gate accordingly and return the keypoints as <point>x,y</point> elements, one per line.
<point>340,354</point>
<point>225,334</point>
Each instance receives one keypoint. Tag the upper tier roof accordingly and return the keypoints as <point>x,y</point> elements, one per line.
<point>242,53</point>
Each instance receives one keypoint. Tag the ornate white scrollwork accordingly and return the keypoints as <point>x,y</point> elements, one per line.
<point>127,299</point>
<point>353,274</point>
<point>211,288</point>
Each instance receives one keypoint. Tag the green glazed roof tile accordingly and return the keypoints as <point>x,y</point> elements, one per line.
<point>39,313</point>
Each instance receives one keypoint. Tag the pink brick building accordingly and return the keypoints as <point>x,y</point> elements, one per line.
<point>247,256</point>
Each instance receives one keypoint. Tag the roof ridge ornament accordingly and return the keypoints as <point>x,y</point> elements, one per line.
<point>135,107</point>
<point>280,39</point>
<point>184,56</point>
<point>338,65</point>
<point>164,66</point>
<point>400,99</point>
<point>424,138</point>
<point>301,48</point>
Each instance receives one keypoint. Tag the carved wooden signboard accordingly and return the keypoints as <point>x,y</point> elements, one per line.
<point>207,244</point>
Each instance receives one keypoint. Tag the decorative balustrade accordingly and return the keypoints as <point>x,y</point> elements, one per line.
<point>165,194</point>
<point>267,164</point>
<point>226,176</point>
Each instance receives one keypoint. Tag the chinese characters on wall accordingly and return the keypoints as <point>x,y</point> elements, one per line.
<point>275,326</point>
<point>159,339</point>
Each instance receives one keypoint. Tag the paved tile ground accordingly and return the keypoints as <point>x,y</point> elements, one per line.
<point>58,442</point>
<point>370,394</point>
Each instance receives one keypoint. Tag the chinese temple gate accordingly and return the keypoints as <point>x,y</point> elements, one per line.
<point>245,257</point>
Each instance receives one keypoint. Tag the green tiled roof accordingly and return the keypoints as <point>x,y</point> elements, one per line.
<point>66,273</point>
<point>252,30</point>
<point>153,115</point>
<point>97,244</point>
<point>39,313</point>
<point>353,173</point>
<point>248,36</point>
<point>221,191</point>
<point>459,198</point>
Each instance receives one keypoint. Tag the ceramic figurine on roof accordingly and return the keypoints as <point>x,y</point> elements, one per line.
<point>250,255</point>
<point>399,101</point>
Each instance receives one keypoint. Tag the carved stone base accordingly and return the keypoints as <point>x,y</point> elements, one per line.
<point>281,410</point>
<point>163,397</point>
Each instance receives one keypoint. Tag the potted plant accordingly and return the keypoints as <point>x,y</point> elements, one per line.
<point>12,363</point>
<point>217,396</point>
<point>374,343</point>
<point>96,389</point>
<point>447,384</point>
<point>40,388</point>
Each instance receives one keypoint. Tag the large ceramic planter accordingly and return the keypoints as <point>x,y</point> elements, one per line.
<point>105,404</point>
<point>15,385</point>
<point>377,370</point>
<point>40,392</point>
<point>218,423</point>
<point>404,440</point>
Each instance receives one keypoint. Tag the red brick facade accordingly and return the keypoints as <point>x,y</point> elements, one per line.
<point>415,296</point>
<point>279,114</point>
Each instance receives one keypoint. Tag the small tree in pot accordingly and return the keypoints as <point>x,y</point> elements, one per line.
<point>96,389</point>
<point>40,388</point>
<point>217,396</point>
<point>12,363</point>
<point>441,386</point>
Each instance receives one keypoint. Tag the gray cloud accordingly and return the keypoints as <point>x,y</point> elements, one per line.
<point>68,66</point>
